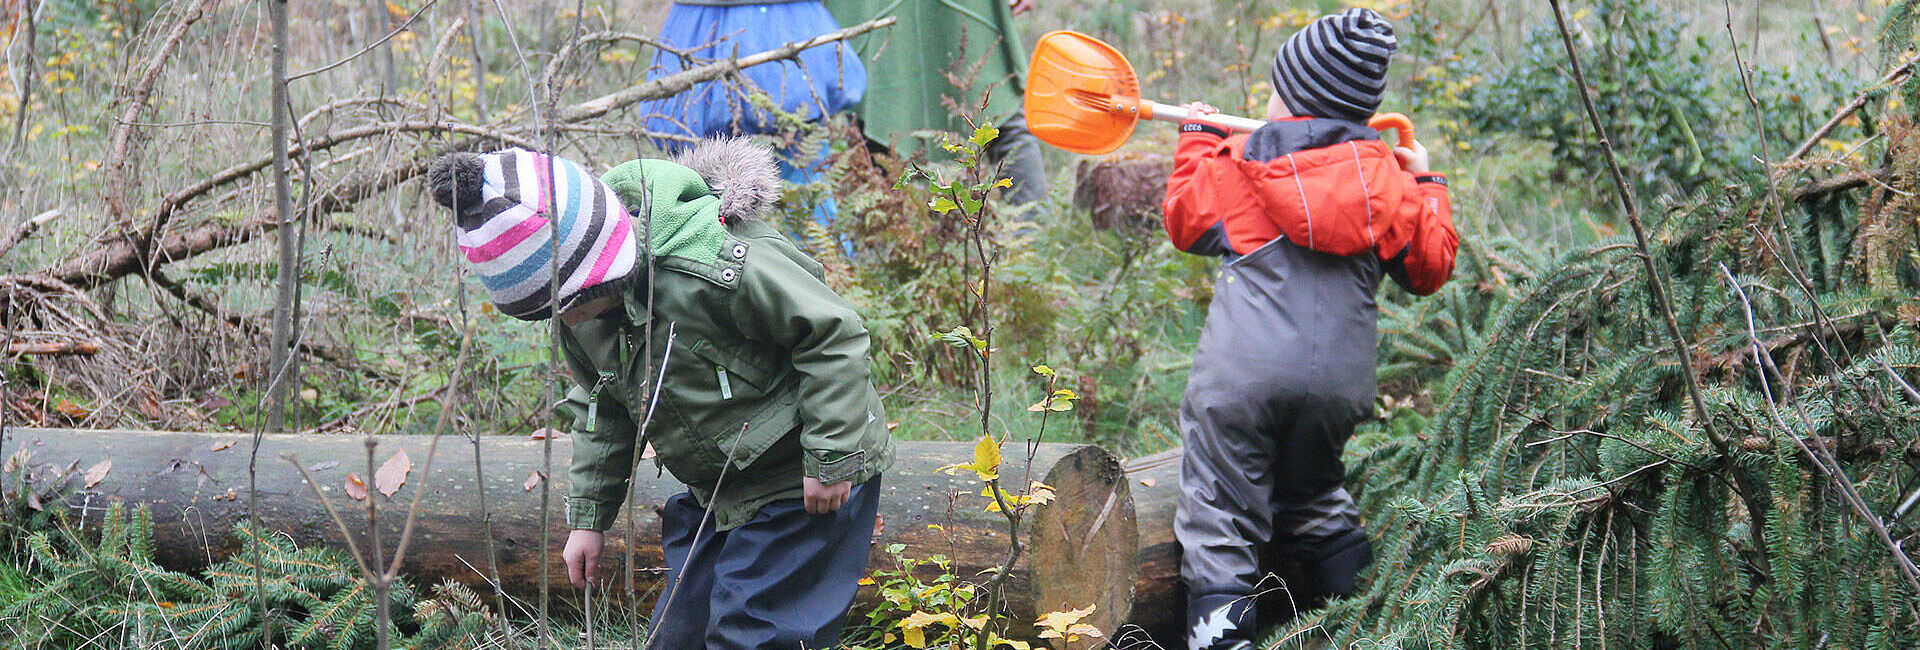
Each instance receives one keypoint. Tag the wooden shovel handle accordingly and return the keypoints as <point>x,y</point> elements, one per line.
<point>1395,122</point>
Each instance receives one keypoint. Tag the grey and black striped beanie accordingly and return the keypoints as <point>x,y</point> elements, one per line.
<point>1337,66</point>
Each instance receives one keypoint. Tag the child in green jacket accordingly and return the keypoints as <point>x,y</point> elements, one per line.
<point>765,408</point>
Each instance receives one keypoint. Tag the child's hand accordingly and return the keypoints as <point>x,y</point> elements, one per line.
<point>1197,110</point>
<point>824,498</point>
<point>1414,159</point>
<point>582,555</point>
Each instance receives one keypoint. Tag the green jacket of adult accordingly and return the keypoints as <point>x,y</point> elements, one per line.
<point>908,64</point>
<point>767,372</point>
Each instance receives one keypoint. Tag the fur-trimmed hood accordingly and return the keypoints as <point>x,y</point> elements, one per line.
<point>738,169</point>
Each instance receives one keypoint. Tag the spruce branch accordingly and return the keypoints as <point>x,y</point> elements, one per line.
<point>1655,279</point>
<point>1818,452</point>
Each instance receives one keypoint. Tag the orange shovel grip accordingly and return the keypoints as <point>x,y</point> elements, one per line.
<point>1397,123</point>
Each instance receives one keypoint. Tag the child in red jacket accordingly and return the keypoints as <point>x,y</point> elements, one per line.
<point>1310,211</point>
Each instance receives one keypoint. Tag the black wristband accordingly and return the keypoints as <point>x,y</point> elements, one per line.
<point>1430,178</point>
<point>1202,127</point>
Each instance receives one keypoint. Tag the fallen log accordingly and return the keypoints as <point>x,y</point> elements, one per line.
<point>1159,599</point>
<point>1081,547</point>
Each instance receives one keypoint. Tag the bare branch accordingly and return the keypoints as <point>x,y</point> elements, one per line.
<point>251,326</point>
<point>26,230</point>
<point>80,348</point>
<point>120,149</point>
<point>1821,455</point>
<point>1893,77</point>
<point>676,83</point>
<point>369,48</point>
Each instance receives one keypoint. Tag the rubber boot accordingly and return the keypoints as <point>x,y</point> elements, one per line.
<point>1335,570</point>
<point>1220,622</point>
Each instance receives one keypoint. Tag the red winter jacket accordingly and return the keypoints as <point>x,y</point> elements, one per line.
<point>1328,185</point>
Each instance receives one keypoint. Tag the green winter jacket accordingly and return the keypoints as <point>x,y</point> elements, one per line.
<point>766,368</point>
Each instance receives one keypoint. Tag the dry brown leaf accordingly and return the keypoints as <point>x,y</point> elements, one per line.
<point>98,473</point>
<point>33,501</point>
<point>533,481</point>
<point>393,473</point>
<point>72,410</point>
<point>151,408</point>
<point>1510,544</point>
<point>879,526</point>
<point>1146,482</point>
<point>545,432</point>
<point>356,487</point>
<point>18,460</point>
<point>222,445</point>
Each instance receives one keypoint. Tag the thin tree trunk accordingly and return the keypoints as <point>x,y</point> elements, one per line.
<point>278,376</point>
<point>26,79</point>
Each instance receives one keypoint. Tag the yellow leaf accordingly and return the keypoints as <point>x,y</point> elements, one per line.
<point>1039,494</point>
<point>914,637</point>
<point>866,581</point>
<point>922,619</point>
<point>986,458</point>
<point>985,134</point>
<point>1062,621</point>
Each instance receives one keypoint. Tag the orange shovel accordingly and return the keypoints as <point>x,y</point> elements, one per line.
<point>1082,96</point>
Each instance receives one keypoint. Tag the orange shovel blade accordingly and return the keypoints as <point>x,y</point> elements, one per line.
<point>1082,95</point>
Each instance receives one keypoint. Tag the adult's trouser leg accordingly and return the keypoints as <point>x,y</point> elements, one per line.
<point>1025,163</point>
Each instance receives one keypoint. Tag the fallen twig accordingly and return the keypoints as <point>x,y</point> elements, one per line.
<point>252,326</point>
<point>77,348</point>
<point>26,230</point>
<point>118,258</point>
<point>1841,183</point>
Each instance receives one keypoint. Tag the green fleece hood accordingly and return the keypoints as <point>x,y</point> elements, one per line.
<point>693,197</point>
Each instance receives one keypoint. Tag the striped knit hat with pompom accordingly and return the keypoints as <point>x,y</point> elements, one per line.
<point>1337,66</point>
<point>505,231</point>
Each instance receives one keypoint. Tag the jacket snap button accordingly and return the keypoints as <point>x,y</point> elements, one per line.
<point>739,251</point>
<point>727,275</point>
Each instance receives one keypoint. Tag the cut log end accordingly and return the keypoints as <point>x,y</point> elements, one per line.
<point>1083,543</point>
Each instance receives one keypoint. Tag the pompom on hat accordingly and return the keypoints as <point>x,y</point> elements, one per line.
<point>1337,66</point>
<point>505,223</point>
